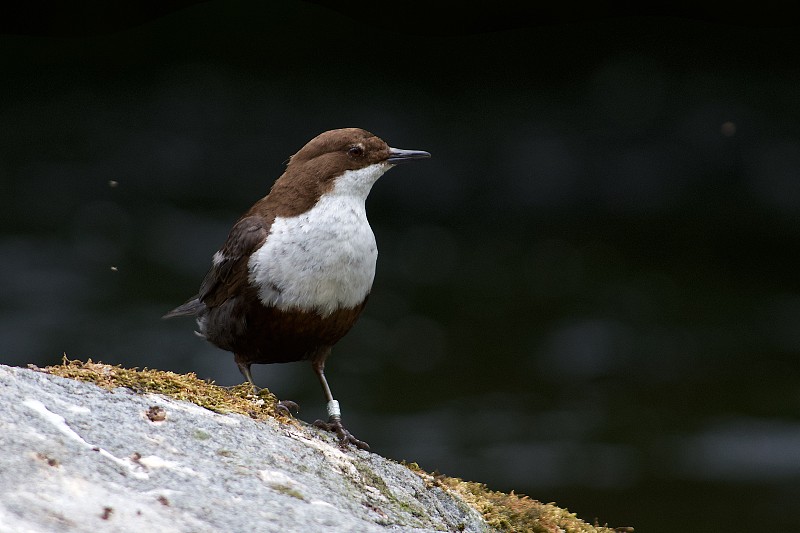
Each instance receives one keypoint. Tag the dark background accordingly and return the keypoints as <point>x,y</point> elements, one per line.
<point>589,294</point>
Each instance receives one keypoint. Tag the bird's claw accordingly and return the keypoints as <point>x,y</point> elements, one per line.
<point>286,407</point>
<point>345,437</point>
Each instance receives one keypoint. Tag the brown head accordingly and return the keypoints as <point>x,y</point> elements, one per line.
<point>314,169</point>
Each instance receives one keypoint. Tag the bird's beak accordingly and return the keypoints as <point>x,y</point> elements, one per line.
<point>398,155</point>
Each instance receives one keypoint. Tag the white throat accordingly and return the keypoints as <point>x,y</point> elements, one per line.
<point>323,259</point>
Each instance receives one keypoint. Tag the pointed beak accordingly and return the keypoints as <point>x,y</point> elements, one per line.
<point>398,155</point>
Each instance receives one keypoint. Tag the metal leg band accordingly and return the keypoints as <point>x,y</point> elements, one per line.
<point>334,413</point>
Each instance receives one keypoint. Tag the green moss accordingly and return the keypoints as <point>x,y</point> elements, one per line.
<point>187,387</point>
<point>511,512</point>
<point>289,491</point>
<point>374,480</point>
<point>369,477</point>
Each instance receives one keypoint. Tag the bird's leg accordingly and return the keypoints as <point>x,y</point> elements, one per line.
<point>284,406</point>
<point>334,422</point>
<point>244,368</point>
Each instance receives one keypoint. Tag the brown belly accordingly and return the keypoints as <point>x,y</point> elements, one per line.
<point>259,334</point>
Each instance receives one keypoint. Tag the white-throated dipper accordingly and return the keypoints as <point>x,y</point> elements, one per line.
<point>297,267</point>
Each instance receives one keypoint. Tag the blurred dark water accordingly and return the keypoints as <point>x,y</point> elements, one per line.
<point>589,294</point>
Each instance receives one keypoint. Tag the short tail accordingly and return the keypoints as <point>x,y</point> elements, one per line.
<point>191,308</point>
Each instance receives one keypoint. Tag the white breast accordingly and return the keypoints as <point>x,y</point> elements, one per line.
<point>324,259</point>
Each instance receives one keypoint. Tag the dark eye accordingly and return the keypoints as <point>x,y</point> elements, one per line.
<point>356,151</point>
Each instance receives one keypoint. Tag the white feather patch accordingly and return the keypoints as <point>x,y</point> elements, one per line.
<point>218,258</point>
<point>323,259</point>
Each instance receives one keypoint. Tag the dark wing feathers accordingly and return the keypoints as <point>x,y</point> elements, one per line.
<point>190,308</point>
<point>229,272</point>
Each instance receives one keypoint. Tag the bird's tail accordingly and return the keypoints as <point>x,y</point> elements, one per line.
<point>191,308</point>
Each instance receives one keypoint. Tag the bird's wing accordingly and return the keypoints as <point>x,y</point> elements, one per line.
<point>229,271</point>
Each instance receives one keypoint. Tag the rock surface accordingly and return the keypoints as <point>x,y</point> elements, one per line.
<point>77,457</point>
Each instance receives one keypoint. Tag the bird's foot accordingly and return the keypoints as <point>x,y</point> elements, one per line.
<point>286,407</point>
<point>345,437</point>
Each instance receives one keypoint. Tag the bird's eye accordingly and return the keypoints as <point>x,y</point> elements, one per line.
<point>355,151</point>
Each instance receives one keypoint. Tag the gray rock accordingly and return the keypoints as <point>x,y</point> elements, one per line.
<point>76,457</point>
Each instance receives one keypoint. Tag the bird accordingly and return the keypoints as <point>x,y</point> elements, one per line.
<point>297,268</point>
